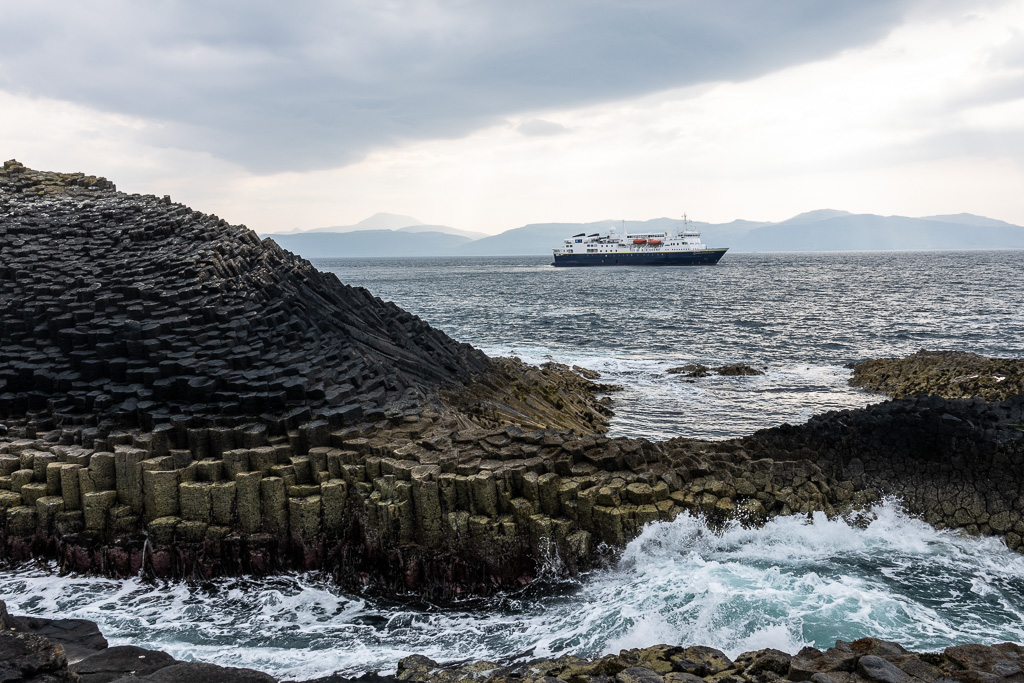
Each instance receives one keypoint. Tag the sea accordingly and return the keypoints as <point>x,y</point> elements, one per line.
<point>802,319</point>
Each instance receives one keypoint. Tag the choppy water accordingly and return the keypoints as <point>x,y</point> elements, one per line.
<point>791,583</point>
<point>803,316</point>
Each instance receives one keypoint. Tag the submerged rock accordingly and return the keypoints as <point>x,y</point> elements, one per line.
<point>698,370</point>
<point>737,369</point>
<point>690,370</point>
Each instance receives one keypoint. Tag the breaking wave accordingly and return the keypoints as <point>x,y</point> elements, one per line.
<point>796,581</point>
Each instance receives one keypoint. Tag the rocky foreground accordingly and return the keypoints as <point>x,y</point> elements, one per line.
<point>66,650</point>
<point>182,399</point>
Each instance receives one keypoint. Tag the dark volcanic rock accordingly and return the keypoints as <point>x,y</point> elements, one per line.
<point>119,662</point>
<point>200,672</point>
<point>737,369</point>
<point>137,308</point>
<point>80,638</point>
<point>845,663</point>
<point>27,657</point>
<point>188,400</point>
<point>77,638</point>
<point>698,370</point>
<point>959,463</point>
<point>690,370</point>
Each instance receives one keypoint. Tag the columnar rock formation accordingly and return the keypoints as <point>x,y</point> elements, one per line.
<point>143,311</point>
<point>184,399</point>
<point>417,503</point>
<point>176,371</point>
<point>958,463</point>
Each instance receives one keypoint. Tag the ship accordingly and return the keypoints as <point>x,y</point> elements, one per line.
<point>674,247</point>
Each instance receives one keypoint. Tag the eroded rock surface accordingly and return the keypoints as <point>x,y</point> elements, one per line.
<point>950,374</point>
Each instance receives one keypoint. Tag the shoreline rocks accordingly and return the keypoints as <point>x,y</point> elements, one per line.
<point>950,374</point>
<point>426,505</point>
<point>51,650</point>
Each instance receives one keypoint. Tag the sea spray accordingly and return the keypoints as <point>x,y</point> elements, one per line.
<point>795,581</point>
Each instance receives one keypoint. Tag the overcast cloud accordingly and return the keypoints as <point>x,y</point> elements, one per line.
<point>489,115</point>
<point>278,86</point>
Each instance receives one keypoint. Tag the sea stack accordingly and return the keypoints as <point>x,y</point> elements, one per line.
<point>172,379</point>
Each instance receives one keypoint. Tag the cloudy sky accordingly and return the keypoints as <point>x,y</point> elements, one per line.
<point>488,115</point>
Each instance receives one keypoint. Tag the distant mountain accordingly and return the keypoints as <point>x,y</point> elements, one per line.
<point>814,216</point>
<point>535,239</point>
<point>821,230</point>
<point>369,243</point>
<point>378,221</point>
<point>445,229</point>
<point>970,219</point>
<point>388,221</point>
<point>868,232</point>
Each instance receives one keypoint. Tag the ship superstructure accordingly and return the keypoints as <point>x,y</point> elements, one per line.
<point>674,247</point>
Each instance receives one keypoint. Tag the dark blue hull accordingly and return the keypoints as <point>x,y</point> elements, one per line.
<point>706,257</point>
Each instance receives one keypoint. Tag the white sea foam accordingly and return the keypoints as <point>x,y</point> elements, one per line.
<point>794,582</point>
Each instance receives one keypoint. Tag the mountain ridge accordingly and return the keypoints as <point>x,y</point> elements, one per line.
<point>817,230</point>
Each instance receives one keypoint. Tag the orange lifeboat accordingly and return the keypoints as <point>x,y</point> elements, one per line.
<point>654,243</point>
<point>639,241</point>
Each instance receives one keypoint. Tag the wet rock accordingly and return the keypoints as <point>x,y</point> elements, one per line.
<point>757,663</point>
<point>737,369</point>
<point>119,662</point>
<point>79,638</point>
<point>810,661</point>
<point>873,646</point>
<point>874,668</point>
<point>700,661</point>
<point>29,657</point>
<point>690,370</point>
<point>200,672</point>
<point>638,674</point>
<point>1002,660</point>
